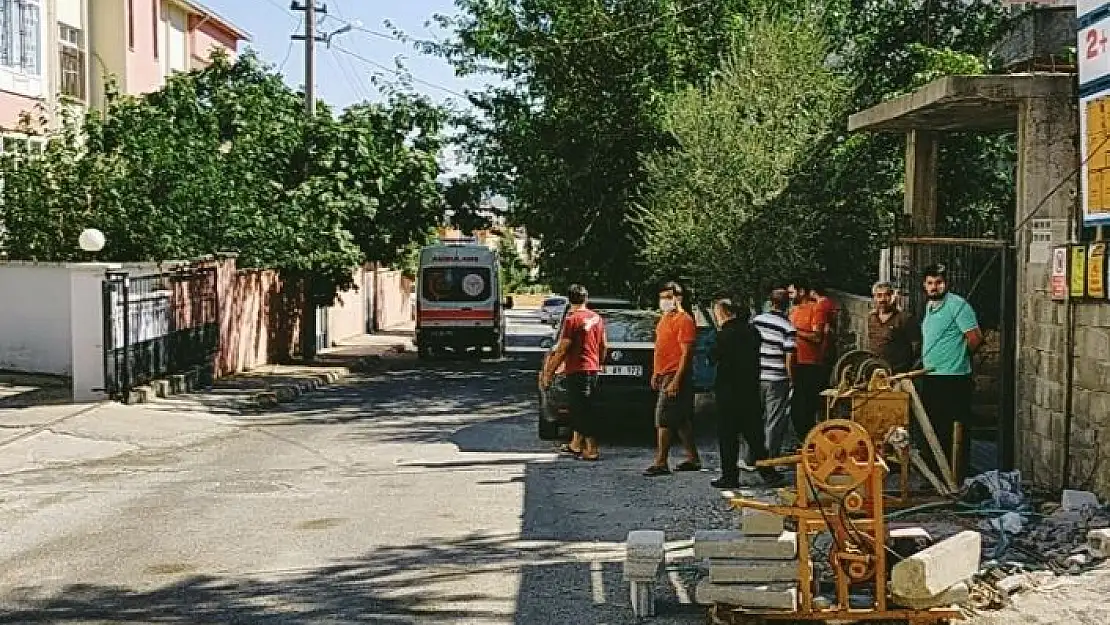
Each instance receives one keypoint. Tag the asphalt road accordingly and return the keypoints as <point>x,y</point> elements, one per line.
<point>424,497</point>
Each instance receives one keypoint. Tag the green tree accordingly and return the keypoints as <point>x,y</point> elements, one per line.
<point>585,88</point>
<point>224,159</point>
<point>714,213</point>
<point>514,273</point>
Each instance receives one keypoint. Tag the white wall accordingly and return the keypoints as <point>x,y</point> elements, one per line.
<point>51,321</point>
<point>70,12</point>
<point>177,39</point>
<point>35,309</point>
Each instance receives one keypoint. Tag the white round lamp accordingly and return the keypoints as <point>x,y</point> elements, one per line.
<point>91,240</point>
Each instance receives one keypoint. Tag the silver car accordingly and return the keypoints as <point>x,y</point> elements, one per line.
<point>551,311</point>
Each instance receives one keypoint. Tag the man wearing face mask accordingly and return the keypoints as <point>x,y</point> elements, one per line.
<point>672,378</point>
<point>950,335</point>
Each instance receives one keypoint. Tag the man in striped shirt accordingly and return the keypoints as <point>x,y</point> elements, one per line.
<point>776,369</point>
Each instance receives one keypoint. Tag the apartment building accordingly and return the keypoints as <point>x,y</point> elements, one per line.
<point>139,43</point>
<point>60,54</point>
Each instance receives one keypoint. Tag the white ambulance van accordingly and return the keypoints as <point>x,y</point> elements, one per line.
<point>458,300</point>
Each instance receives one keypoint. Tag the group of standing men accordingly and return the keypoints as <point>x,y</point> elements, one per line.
<point>771,368</point>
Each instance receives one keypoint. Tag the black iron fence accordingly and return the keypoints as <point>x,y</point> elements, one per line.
<point>158,325</point>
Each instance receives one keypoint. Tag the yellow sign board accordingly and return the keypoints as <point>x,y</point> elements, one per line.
<point>1096,271</point>
<point>1078,271</point>
<point>1096,167</point>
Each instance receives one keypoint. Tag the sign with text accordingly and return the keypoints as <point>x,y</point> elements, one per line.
<point>1093,53</point>
<point>1058,286</point>
<point>1096,271</point>
<point>1078,271</point>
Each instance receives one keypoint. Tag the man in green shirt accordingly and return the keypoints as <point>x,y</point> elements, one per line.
<point>950,335</point>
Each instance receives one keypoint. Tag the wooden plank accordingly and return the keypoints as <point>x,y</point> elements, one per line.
<point>922,417</point>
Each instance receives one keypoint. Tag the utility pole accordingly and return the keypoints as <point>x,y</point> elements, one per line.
<point>310,320</point>
<point>310,37</point>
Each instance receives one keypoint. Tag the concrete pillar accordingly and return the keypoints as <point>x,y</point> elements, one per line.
<point>227,267</point>
<point>1046,162</point>
<point>87,330</point>
<point>921,181</point>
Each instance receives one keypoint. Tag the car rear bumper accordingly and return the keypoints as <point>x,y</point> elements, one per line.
<point>614,400</point>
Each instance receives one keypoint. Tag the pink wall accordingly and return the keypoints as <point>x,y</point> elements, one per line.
<point>393,300</point>
<point>144,72</point>
<point>12,106</point>
<point>347,317</point>
<point>204,35</point>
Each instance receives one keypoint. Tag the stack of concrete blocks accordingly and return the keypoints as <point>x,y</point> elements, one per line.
<point>755,568</point>
<point>937,576</point>
<point>645,552</point>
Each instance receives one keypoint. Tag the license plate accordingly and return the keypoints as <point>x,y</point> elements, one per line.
<point>623,370</point>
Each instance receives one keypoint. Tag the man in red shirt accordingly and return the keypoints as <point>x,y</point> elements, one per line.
<point>581,350</point>
<point>672,378</point>
<point>810,377</point>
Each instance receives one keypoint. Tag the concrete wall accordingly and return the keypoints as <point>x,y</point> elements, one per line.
<point>1047,131</point>
<point>51,322</point>
<point>35,332</point>
<point>347,317</point>
<point>107,47</point>
<point>143,61</point>
<point>394,304</point>
<point>206,36</point>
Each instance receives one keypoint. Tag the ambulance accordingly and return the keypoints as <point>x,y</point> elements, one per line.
<point>458,300</point>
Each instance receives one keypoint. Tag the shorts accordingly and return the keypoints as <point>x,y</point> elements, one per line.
<point>581,391</point>
<point>674,412</point>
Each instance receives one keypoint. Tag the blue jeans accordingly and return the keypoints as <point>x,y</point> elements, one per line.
<point>776,414</point>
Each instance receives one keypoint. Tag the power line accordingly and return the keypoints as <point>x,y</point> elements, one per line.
<point>289,50</point>
<point>398,72</point>
<point>285,10</point>
<point>647,24</point>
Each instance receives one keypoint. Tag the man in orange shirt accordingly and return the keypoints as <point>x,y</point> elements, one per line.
<point>810,377</point>
<point>672,378</point>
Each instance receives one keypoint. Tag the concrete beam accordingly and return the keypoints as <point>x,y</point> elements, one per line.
<point>957,103</point>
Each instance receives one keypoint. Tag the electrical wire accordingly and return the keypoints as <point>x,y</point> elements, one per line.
<point>398,72</point>
<point>285,10</point>
<point>289,50</point>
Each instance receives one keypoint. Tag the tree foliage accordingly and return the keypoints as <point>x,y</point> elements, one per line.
<point>224,159</point>
<point>588,87</point>
<point>714,213</point>
<point>585,86</point>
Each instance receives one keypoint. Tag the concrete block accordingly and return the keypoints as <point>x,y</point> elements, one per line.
<point>146,394</point>
<point>642,570</point>
<point>161,388</point>
<point>928,573</point>
<point>642,595</point>
<point>752,571</point>
<point>178,384</point>
<point>1079,500</point>
<point>906,541</point>
<point>760,523</point>
<point>1099,541</point>
<point>1010,585</point>
<point>956,595</point>
<point>645,545</point>
<point>751,596</point>
<point>727,544</point>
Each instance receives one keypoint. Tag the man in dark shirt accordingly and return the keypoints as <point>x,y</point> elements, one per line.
<point>892,333</point>
<point>740,411</point>
<point>580,352</point>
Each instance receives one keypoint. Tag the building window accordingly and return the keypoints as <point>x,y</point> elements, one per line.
<point>21,36</point>
<point>155,23</point>
<point>13,142</point>
<point>131,24</point>
<point>71,55</point>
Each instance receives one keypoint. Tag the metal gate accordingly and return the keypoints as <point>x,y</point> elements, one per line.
<point>158,325</point>
<point>983,272</point>
<point>323,340</point>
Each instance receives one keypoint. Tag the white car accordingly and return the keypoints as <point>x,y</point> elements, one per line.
<point>552,309</point>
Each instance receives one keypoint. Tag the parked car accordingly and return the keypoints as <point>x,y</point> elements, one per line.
<point>551,311</point>
<point>626,377</point>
